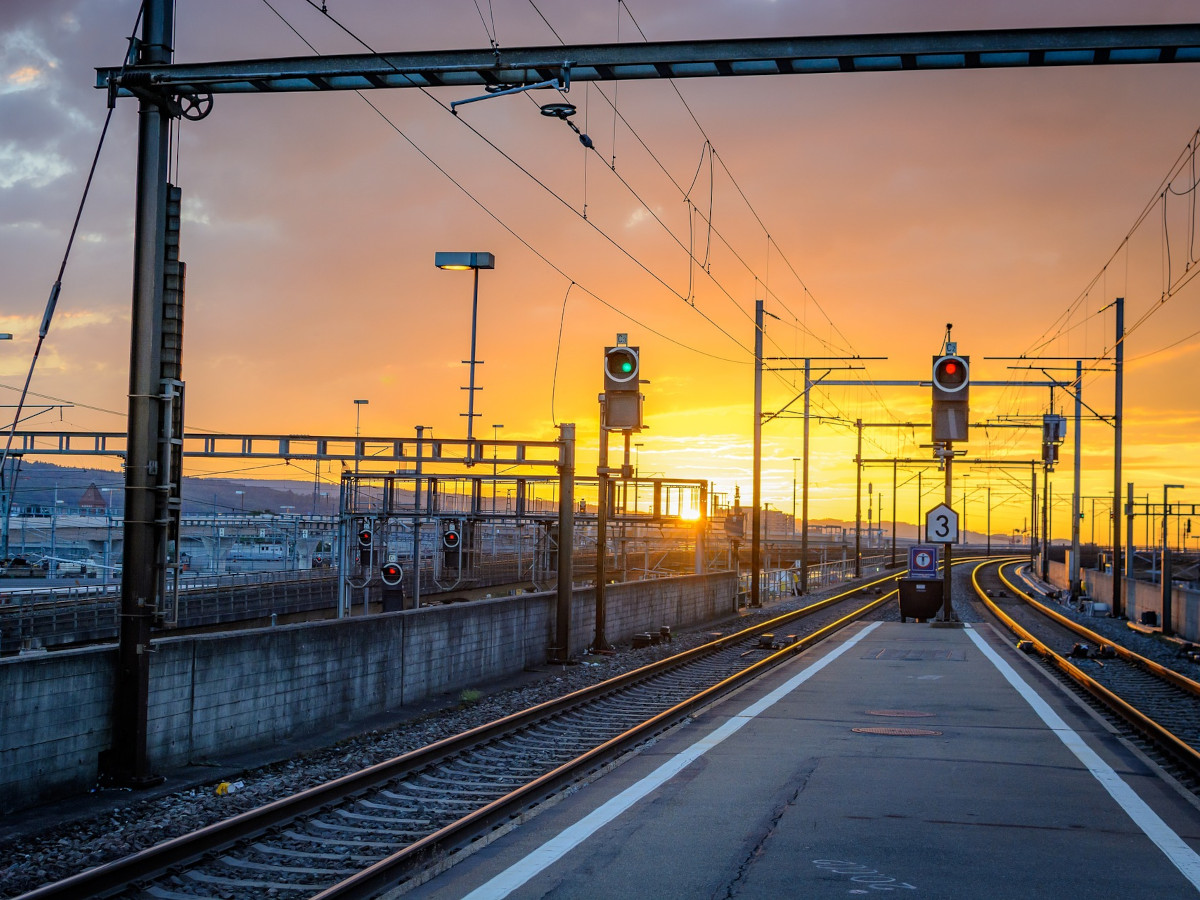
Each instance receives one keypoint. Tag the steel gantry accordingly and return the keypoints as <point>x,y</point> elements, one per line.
<point>166,91</point>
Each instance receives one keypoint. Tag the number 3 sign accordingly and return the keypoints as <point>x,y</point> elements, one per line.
<point>941,525</point>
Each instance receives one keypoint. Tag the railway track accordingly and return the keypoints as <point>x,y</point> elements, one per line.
<point>406,818</point>
<point>1159,704</point>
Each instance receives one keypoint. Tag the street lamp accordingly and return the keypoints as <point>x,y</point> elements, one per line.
<point>242,495</point>
<point>461,262</point>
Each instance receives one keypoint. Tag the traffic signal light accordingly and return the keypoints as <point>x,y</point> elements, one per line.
<point>622,388</point>
<point>621,365</point>
<point>364,535</point>
<point>391,574</point>
<point>452,542</point>
<point>951,384</point>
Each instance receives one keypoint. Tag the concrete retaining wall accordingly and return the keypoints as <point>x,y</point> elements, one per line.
<point>220,694</point>
<point>1138,597</point>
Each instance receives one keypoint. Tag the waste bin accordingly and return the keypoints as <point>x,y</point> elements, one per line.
<point>920,598</point>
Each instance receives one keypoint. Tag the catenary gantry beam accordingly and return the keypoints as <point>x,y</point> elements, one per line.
<point>326,448</point>
<point>901,51</point>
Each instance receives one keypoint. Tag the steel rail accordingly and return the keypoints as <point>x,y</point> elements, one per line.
<point>1163,737</point>
<point>1176,678</point>
<point>185,849</point>
<point>388,872</point>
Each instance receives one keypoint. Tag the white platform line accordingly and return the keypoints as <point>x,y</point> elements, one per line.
<point>1177,851</point>
<point>565,841</point>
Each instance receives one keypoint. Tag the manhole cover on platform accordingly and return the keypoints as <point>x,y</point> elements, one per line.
<point>900,732</point>
<point>899,713</point>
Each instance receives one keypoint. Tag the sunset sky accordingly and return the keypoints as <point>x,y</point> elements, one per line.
<point>867,210</point>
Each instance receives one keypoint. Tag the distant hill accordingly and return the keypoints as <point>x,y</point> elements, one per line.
<point>44,484</point>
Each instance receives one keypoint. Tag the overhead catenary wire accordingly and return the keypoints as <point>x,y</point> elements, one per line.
<point>499,221</point>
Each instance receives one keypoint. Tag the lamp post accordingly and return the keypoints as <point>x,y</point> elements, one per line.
<point>242,496</point>
<point>461,262</point>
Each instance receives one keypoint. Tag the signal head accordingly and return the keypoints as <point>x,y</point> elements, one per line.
<point>364,537</point>
<point>621,368</point>
<point>391,574</point>
<point>451,539</point>
<point>951,374</point>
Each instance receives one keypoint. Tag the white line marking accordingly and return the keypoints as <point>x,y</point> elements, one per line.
<point>557,847</point>
<point>1177,851</point>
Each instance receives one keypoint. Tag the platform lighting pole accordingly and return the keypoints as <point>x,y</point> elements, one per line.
<point>1167,612</point>
<point>460,262</point>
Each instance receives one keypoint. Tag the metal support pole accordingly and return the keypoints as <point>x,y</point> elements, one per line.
<point>1118,606</point>
<point>561,651</point>
<point>756,511</point>
<point>1073,575</point>
<point>127,761</point>
<point>1033,517</point>
<point>1168,627</point>
<point>471,377</point>
<point>989,520</point>
<point>1046,522</point>
<point>804,486</point>
<point>416,537</point>
<point>858,503</point>
<point>600,642</point>
<point>1127,571</point>
<point>920,519</point>
<point>894,513</point>
<point>948,548</point>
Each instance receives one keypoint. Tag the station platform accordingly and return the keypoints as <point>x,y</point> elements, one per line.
<point>894,758</point>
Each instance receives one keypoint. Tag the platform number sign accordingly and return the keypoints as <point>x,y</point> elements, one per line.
<point>941,525</point>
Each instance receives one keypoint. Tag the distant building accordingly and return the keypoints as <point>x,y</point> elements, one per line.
<point>93,501</point>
